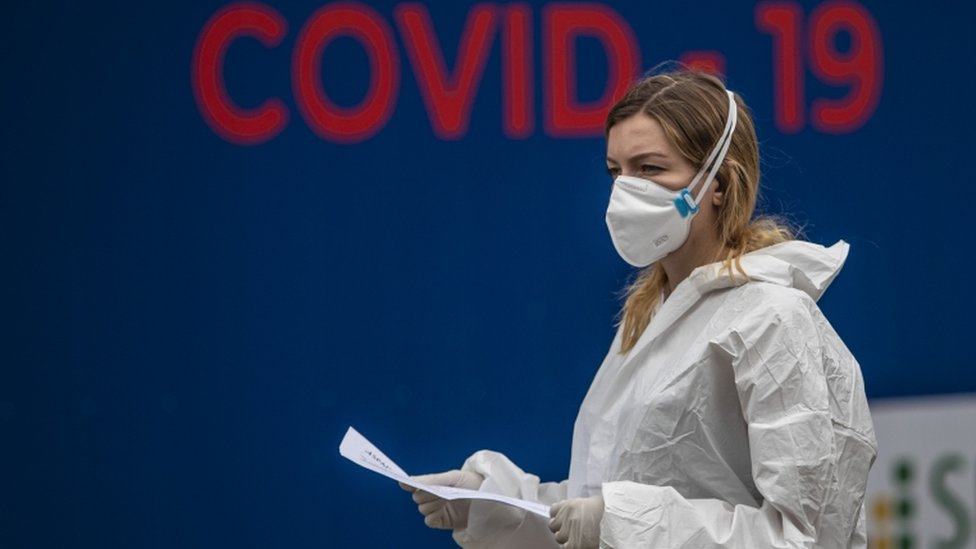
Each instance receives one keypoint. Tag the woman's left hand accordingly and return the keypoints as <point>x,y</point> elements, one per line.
<point>576,522</point>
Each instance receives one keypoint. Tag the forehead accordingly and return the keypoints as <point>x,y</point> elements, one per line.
<point>639,134</point>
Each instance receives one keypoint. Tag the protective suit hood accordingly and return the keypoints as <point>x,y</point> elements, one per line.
<point>795,264</point>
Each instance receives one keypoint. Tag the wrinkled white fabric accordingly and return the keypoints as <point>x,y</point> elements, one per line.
<point>497,526</point>
<point>738,420</point>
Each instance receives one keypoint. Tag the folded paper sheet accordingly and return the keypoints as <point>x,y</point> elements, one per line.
<point>360,451</point>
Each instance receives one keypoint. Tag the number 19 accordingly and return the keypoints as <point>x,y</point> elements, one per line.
<point>860,68</point>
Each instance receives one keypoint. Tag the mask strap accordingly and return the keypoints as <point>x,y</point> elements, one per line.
<point>717,155</point>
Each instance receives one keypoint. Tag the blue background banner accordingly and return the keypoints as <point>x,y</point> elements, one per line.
<point>231,230</point>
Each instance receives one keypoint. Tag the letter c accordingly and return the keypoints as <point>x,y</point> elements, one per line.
<point>237,125</point>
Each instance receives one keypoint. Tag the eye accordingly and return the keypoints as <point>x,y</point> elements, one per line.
<point>613,171</point>
<point>650,168</point>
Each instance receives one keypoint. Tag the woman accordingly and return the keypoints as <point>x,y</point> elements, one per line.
<point>727,413</point>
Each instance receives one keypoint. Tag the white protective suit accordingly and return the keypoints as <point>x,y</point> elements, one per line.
<point>738,420</point>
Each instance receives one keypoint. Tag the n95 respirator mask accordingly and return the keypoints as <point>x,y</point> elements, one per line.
<point>648,221</point>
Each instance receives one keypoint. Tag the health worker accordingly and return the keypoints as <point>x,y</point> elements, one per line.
<point>728,412</point>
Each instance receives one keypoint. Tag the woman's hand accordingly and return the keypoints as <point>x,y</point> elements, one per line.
<point>441,513</point>
<point>576,522</point>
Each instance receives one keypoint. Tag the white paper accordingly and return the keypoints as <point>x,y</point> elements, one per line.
<point>360,451</point>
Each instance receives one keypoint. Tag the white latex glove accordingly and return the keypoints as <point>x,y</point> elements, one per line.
<point>576,522</point>
<point>441,513</point>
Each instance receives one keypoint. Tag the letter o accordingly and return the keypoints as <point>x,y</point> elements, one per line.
<point>365,25</point>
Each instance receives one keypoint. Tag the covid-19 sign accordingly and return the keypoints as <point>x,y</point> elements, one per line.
<point>837,44</point>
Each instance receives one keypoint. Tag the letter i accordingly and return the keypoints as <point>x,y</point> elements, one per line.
<point>517,73</point>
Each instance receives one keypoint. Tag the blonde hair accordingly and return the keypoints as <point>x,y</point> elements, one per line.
<point>692,108</point>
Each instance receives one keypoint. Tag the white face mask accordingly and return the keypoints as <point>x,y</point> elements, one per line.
<point>647,221</point>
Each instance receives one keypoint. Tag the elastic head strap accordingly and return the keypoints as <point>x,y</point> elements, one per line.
<point>718,153</point>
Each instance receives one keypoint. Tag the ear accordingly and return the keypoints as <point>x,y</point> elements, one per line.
<point>718,197</point>
<point>718,191</point>
<point>722,181</point>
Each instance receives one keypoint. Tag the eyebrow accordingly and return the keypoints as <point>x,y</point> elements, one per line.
<point>643,156</point>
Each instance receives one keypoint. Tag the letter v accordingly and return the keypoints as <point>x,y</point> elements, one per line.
<point>448,96</point>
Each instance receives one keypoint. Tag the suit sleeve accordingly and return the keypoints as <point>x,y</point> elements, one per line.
<point>493,525</point>
<point>784,398</point>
